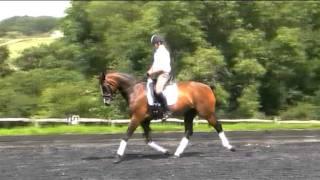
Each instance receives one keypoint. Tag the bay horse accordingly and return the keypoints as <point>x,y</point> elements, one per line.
<point>194,98</point>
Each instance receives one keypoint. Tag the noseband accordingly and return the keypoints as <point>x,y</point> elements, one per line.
<point>109,91</point>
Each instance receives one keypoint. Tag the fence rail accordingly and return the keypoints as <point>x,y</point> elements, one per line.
<point>76,120</point>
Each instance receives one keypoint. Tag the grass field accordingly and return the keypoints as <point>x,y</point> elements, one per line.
<point>164,127</point>
<point>16,46</point>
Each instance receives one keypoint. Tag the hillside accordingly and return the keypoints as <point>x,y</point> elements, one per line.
<point>27,25</point>
<point>21,32</point>
<point>16,46</point>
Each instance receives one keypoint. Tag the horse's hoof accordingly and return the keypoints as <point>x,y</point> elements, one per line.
<point>166,153</point>
<point>117,159</point>
<point>176,156</point>
<point>233,149</point>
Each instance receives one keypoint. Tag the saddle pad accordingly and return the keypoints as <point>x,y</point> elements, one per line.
<point>170,92</point>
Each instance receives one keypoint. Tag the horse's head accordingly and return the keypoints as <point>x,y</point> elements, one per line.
<point>113,81</point>
<point>107,89</point>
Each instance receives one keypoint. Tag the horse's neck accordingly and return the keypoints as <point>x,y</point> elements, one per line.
<point>133,91</point>
<point>126,91</point>
<point>125,86</point>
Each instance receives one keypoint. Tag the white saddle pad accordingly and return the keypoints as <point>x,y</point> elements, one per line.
<point>170,92</point>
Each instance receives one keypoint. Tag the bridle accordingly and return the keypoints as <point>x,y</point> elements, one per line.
<point>108,89</point>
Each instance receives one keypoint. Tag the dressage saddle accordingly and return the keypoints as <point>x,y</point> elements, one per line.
<point>159,106</point>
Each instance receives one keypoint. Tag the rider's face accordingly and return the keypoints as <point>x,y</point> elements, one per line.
<point>156,45</point>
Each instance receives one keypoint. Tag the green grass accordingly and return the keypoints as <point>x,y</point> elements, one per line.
<point>16,46</point>
<point>268,126</point>
<point>105,129</point>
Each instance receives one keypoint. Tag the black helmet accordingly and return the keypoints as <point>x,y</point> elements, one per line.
<point>156,39</point>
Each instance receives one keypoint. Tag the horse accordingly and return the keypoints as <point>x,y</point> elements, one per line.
<point>194,98</point>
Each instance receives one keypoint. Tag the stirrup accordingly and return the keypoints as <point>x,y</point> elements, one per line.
<point>166,115</point>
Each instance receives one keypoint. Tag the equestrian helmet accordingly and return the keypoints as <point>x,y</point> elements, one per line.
<point>156,39</point>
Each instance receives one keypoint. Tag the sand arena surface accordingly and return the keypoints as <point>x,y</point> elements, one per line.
<point>260,155</point>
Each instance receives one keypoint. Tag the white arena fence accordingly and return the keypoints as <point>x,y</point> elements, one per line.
<point>73,120</point>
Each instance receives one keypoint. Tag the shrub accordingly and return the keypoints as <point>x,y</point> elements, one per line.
<point>301,111</point>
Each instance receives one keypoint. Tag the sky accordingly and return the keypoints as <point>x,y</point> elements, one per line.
<point>33,8</point>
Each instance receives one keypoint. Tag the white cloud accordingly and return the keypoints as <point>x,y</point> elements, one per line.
<point>32,8</point>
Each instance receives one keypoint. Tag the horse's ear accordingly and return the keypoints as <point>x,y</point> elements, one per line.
<point>102,76</point>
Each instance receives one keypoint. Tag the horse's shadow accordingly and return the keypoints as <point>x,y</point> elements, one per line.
<point>135,156</point>
<point>96,158</point>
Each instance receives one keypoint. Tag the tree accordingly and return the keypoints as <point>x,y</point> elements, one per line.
<point>28,25</point>
<point>206,65</point>
<point>259,57</point>
<point>4,67</point>
<point>4,54</point>
<point>249,102</point>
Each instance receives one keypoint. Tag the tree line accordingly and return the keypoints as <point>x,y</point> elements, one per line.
<point>27,25</point>
<point>261,57</point>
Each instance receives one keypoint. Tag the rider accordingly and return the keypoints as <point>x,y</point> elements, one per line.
<point>160,70</point>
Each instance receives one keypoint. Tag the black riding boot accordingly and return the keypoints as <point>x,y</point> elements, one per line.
<point>163,101</point>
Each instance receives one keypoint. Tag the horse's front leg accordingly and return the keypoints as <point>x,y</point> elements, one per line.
<point>146,128</point>
<point>134,123</point>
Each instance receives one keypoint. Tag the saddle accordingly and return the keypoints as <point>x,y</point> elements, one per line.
<point>157,108</point>
<point>155,103</point>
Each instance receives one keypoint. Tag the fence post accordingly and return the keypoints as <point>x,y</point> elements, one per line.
<point>276,120</point>
<point>75,119</point>
<point>35,123</point>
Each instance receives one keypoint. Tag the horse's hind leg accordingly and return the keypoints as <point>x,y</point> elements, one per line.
<point>213,121</point>
<point>146,128</point>
<point>188,124</point>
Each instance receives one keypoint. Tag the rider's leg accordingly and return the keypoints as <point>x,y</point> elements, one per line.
<point>162,80</point>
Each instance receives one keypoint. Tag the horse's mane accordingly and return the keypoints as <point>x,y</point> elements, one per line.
<point>127,77</point>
